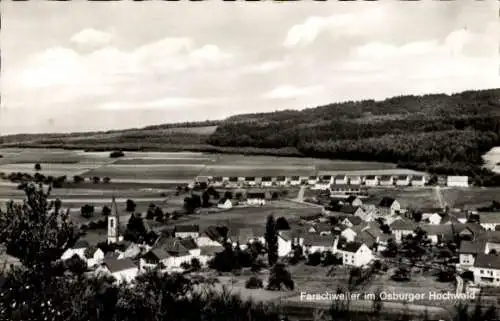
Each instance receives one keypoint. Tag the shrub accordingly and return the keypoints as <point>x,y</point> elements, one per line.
<point>38,167</point>
<point>116,154</point>
<point>105,211</point>
<point>78,179</point>
<point>254,283</point>
<point>106,180</point>
<point>87,211</point>
<point>195,264</point>
<point>314,259</point>
<point>96,180</point>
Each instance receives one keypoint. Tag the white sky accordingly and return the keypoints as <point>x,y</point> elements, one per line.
<point>73,66</point>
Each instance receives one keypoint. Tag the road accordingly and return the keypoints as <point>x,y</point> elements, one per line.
<point>439,196</point>
<point>300,195</point>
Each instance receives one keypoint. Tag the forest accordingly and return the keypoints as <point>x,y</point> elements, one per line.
<point>443,134</point>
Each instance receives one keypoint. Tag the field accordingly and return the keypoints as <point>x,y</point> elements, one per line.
<point>173,171</point>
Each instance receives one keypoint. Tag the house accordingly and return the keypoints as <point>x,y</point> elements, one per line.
<point>295,180</point>
<point>354,201</point>
<point>256,198</point>
<point>353,253</point>
<point>347,190</point>
<point>250,181</point>
<point>184,231</point>
<point>124,270</point>
<point>403,180</point>
<point>326,178</point>
<point>439,233</point>
<point>281,180</point>
<point>442,180</point>
<point>371,180</point>
<point>321,228</point>
<point>345,232</point>
<point>418,180</point>
<point>352,221</point>
<point>212,236</point>
<point>486,270</point>
<point>341,180</point>
<point>468,252</point>
<point>77,249</point>
<point>209,252</point>
<point>225,203</point>
<point>267,181</point>
<point>457,181</point>
<point>355,180</point>
<point>312,180</point>
<point>351,210</point>
<point>432,215</point>
<point>491,240</point>
<point>244,236</point>
<point>217,181</point>
<point>285,242</point>
<point>177,251</point>
<point>233,181</point>
<point>155,258</point>
<point>318,243</point>
<point>389,206</point>
<point>460,216</point>
<point>132,251</point>
<point>402,228</point>
<point>190,245</point>
<point>489,220</point>
<point>374,238</point>
<point>322,185</point>
<point>386,180</point>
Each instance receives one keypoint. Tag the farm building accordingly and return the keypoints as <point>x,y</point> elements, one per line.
<point>371,180</point>
<point>124,270</point>
<point>185,231</point>
<point>295,180</point>
<point>386,180</point>
<point>341,180</point>
<point>486,270</point>
<point>355,180</point>
<point>489,220</point>
<point>256,198</point>
<point>353,253</point>
<point>402,228</point>
<point>468,253</point>
<point>266,181</point>
<point>457,181</point>
<point>389,206</point>
<point>403,180</point>
<point>212,236</point>
<point>418,180</point>
<point>318,243</point>
<point>312,180</point>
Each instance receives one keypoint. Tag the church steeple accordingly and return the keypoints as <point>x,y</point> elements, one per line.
<point>114,223</point>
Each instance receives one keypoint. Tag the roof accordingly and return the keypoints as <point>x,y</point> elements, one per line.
<point>370,177</point>
<point>429,210</point>
<point>489,217</point>
<point>352,247</point>
<point>348,209</point>
<point>186,228</point>
<point>189,243</point>
<point>355,220</point>
<point>469,247</point>
<point>417,178</point>
<point>80,244</point>
<point>367,238</point>
<point>211,250</point>
<point>322,227</point>
<point>256,195</point>
<point>115,265</point>
<point>245,234</point>
<point>403,177</point>
<point>318,240</point>
<point>386,202</point>
<point>214,233</point>
<point>172,246</point>
<point>158,253</point>
<point>354,177</point>
<point>403,225</point>
<point>445,218</point>
<point>385,178</point>
<point>487,261</point>
<point>490,236</point>
<point>224,200</point>
<point>340,177</point>
<point>445,231</point>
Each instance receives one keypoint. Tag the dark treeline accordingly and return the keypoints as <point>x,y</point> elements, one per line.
<point>439,133</point>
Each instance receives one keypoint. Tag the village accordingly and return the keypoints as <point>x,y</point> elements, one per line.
<point>344,241</point>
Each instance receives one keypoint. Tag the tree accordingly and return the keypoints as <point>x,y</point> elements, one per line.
<point>195,264</point>
<point>87,211</point>
<point>417,216</point>
<point>106,180</point>
<point>130,206</point>
<point>271,237</point>
<point>76,265</point>
<point>206,199</point>
<point>106,211</point>
<point>77,179</point>
<point>136,229</point>
<point>314,258</point>
<point>282,224</point>
<point>116,154</point>
<point>279,278</point>
<point>254,283</point>
<point>228,195</point>
<point>38,167</point>
<point>150,214</point>
<point>96,180</point>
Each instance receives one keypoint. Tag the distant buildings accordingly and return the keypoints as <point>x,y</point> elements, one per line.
<point>457,181</point>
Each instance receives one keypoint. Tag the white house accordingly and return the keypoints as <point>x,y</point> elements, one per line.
<point>468,252</point>
<point>123,270</point>
<point>353,201</point>
<point>418,180</point>
<point>281,180</point>
<point>432,216</point>
<point>371,180</point>
<point>94,256</point>
<point>256,198</point>
<point>225,203</point>
<point>403,180</point>
<point>211,236</point>
<point>317,243</point>
<point>486,270</point>
<point>322,185</point>
<point>389,206</point>
<point>355,180</point>
<point>171,253</point>
<point>233,182</point>
<point>295,180</point>
<point>349,234</point>
<point>341,180</point>
<point>489,220</point>
<point>217,181</point>
<point>457,181</point>
<point>250,181</point>
<point>312,180</point>
<point>386,180</point>
<point>185,231</point>
<point>267,181</point>
<point>326,178</point>
<point>353,253</point>
<point>78,248</point>
<point>284,244</point>
<point>402,228</point>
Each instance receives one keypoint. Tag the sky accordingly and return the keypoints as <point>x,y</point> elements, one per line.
<point>78,66</point>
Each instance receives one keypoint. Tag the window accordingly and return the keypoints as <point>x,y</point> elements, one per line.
<point>111,223</point>
<point>482,271</point>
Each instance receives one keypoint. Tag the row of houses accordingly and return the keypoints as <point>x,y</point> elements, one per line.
<point>324,182</point>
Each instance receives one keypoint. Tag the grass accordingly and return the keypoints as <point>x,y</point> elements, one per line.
<point>272,169</point>
<point>146,171</point>
<point>408,198</point>
<point>164,161</point>
<point>470,197</point>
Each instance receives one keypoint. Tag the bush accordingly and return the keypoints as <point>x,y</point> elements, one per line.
<point>106,180</point>
<point>314,259</point>
<point>116,154</point>
<point>87,211</point>
<point>254,283</point>
<point>78,179</point>
<point>38,167</point>
<point>96,180</point>
<point>195,264</point>
<point>105,211</point>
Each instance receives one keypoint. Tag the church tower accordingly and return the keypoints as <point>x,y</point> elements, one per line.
<point>114,224</point>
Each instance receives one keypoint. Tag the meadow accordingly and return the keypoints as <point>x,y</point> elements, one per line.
<point>172,171</point>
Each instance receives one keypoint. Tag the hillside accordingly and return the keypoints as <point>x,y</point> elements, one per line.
<point>440,133</point>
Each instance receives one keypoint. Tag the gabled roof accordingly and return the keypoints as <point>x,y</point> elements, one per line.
<point>490,236</point>
<point>348,209</point>
<point>318,240</point>
<point>355,220</point>
<point>187,228</point>
<point>351,247</point>
<point>158,253</point>
<point>214,233</point>
<point>417,178</point>
<point>211,250</point>
<point>367,238</point>
<point>403,177</point>
<point>403,225</point>
<point>445,231</point>
<point>385,178</point>
<point>172,246</point>
<point>487,261</point>
<point>245,234</point>
<point>386,202</point>
<point>370,177</point>
<point>189,243</point>
<point>341,177</point>
<point>470,247</point>
<point>431,210</point>
<point>80,244</point>
<point>445,218</point>
<point>115,265</point>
